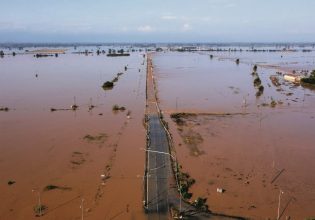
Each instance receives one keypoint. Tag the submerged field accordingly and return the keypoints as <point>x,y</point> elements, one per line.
<point>71,129</point>
<point>251,147</point>
<point>91,153</point>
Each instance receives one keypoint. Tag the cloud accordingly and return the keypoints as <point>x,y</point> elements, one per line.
<point>168,17</point>
<point>186,27</point>
<point>145,28</point>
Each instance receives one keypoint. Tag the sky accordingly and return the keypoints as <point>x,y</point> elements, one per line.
<point>157,21</point>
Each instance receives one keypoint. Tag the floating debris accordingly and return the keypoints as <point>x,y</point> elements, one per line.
<point>220,190</point>
<point>74,107</point>
<point>275,80</point>
<point>129,114</point>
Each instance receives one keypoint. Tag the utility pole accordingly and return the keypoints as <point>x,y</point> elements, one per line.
<point>279,203</point>
<point>176,164</point>
<point>39,202</point>
<point>82,209</point>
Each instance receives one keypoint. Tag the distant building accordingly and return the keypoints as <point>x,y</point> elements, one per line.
<point>292,78</point>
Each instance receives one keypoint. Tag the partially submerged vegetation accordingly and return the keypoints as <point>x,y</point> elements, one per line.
<point>178,117</point>
<point>257,82</point>
<point>108,85</point>
<point>40,210</point>
<point>185,182</point>
<point>53,187</point>
<point>118,108</point>
<point>96,138</point>
<point>309,80</point>
<point>273,103</point>
<point>11,182</point>
<point>4,109</point>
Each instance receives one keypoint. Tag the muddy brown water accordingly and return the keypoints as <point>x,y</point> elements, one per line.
<point>39,147</point>
<point>243,154</point>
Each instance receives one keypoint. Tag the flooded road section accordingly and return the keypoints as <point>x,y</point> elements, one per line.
<point>84,160</point>
<point>244,150</point>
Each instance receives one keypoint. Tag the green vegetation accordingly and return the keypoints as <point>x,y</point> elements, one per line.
<point>115,79</point>
<point>310,79</point>
<point>201,204</point>
<point>108,85</point>
<point>260,90</point>
<point>185,182</point>
<point>257,81</point>
<point>255,68</point>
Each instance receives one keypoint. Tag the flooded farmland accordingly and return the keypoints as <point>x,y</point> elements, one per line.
<point>226,137</point>
<point>72,131</point>
<point>72,157</point>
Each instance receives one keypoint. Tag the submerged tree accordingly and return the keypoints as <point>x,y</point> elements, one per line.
<point>255,68</point>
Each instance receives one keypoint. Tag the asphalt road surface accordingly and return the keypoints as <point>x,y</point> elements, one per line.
<point>159,170</point>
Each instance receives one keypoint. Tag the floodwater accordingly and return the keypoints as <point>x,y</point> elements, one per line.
<point>41,148</point>
<point>255,155</point>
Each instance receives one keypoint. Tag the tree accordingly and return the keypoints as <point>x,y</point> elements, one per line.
<point>255,68</point>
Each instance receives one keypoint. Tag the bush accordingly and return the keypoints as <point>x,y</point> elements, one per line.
<point>257,81</point>
<point>255,68</point>
<point>118,108</point>
<point>309,80</point>
<point>108,85</point>
<point>201,204</point>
